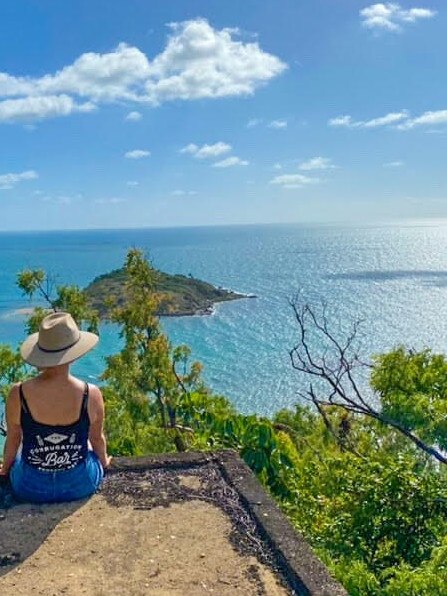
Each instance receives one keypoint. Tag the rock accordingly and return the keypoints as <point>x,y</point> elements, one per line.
<point>9,559</point>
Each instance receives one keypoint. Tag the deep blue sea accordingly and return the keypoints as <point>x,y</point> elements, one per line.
<point>394,277</point>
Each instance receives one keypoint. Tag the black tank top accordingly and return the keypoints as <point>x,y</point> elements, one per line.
<point>54,448</point>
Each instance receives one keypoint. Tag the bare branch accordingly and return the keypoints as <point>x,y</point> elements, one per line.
<point>335,363</point>
<point>178,379</point>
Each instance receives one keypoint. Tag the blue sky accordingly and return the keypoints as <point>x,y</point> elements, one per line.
<point>165,113</point>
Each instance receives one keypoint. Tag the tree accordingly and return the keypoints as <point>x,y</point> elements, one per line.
<point>148,370</point>
<point>151,384</point>
<point>368,510</point>
<point>406,389</point>
<point>412,387</point>
<point>37,283</point>
<point>12,370</point>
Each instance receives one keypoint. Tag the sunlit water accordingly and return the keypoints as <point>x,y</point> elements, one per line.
<point>392,277</point>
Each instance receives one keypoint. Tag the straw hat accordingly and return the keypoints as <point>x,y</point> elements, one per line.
<point>59,341</point>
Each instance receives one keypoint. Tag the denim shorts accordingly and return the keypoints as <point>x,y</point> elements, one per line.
<point>30,484</point>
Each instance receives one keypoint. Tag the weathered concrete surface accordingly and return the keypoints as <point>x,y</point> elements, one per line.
<point>304,572</point>
<point>171,524</point>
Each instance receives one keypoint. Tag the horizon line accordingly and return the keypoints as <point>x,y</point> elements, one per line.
<point>427,221</point>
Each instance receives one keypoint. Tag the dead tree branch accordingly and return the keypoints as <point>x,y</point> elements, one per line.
<point>332,365</point>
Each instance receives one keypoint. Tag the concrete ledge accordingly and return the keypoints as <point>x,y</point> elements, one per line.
<point>302,571</point>
<point>162,460</point>
<point>305,573</point>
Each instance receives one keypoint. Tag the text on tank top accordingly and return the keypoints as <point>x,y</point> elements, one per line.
<point>53,448</point>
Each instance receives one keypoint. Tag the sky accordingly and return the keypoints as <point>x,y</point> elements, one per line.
<point>137,113</point>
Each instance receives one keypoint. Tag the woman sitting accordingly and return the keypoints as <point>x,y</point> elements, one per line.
<point>55,417</point>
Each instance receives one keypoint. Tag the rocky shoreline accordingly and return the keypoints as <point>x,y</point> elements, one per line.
<point>180,295</point>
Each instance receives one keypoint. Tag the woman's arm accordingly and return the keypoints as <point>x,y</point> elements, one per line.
<point>96,433</point>
<point>14,430</point>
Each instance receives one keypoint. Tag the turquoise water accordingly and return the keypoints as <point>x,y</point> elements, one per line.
<point>393,277</point>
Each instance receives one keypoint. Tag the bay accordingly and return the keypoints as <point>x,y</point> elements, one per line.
<point>393,277</point>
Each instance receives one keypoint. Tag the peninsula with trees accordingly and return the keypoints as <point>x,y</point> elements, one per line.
<point>179,295</point>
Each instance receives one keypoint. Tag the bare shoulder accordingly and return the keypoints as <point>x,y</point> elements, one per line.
<point>95,400</point>
<point>14,393</point>
<point>27,383</point>
<point>94,393</point>
<point>30,386</point>
<point>13,405</point>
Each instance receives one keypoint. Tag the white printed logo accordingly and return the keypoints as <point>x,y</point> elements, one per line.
<point>56,438</point>
<point>63,452</point>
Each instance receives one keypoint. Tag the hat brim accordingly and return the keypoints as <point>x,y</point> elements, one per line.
<point>35,356</point>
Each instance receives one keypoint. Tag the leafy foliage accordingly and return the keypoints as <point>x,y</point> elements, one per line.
<point>148,367</point>
<point>178,294</point>
<point>56,298</point>
<point>371,502</point>
<point>413,390</point>
<point>12,370</point>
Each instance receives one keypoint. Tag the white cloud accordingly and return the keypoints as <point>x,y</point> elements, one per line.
<point>277,166</point>
<point>278,124</point>
<point>391,16</point>
<point>197,62</point>
<point>399,120</point>
<point>426,119</point>
<point>212,150</point>
<point>202,62</point>
<point>40,107</point>
<point>317,163</point>
<point>132,183</point>
<point>206,151</point>
<point>230,162</point>
<point>394,164</point>
<point>183,193</point>
<point>294,180</point>
<point>192,148</point>
<point>137,154</point>
<point>340,121</point>
<point>133,116</point>
<point>8,181</point>
<point>100,77</point>
<point>390,118</point>
<point>348,122</point>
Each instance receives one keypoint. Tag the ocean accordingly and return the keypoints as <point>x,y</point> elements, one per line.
<point>393,277</point>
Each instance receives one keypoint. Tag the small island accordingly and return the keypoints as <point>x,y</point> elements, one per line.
<point>180,295</point>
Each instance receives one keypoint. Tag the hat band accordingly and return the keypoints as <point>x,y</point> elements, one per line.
<point>59,349</point>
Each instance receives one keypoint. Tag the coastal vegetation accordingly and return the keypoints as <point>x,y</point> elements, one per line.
<point>359,470</point>
<point>178,295</point>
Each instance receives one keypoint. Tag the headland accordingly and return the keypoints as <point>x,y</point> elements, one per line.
<point>180,295</point>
